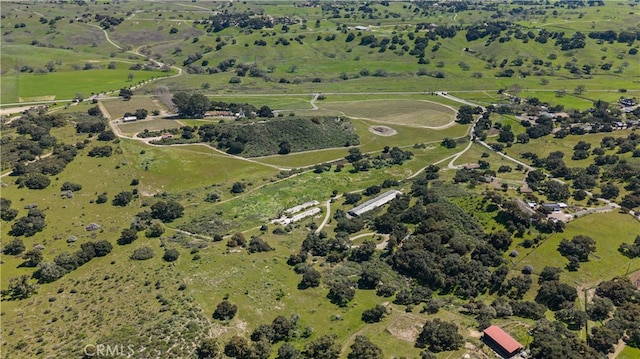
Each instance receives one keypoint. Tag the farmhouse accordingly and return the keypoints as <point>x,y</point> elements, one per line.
<point>362,28</point>
<point>129,118</point>
<point>501,342</point>
<point>379,201</point>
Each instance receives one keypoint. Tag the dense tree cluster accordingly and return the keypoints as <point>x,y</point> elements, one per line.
<point>20,288</point>
<point>631,250</point>
<point>30,224</point>
<point>191,106</point>
<point>439,336</point>
<point>577,250</point>
<point>107,21</point>
<point>245,20</point>
<point>66,262</point>
<point>364,348</point>
<point>166,211</point>
<point>282,136</point>
<point>554,340</point>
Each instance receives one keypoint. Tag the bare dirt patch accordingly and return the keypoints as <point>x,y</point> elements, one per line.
<point>383,131</point>
<point>405,327</point>
<point>635,278</point>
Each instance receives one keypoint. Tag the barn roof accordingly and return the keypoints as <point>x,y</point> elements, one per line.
<point>502,338</point>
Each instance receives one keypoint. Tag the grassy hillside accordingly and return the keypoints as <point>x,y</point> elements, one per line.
<point>333,88</point>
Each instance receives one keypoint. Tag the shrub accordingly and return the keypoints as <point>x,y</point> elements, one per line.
<point>257,244</point>
<point>69,186</point>
<point>142,254</point>
<point>374,315</point>
<point>14,247</point>
<point>171,255</point>
<point>34,181</point>
<point>225,310</point>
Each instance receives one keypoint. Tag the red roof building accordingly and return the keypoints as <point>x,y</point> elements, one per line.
<point>501,341</point>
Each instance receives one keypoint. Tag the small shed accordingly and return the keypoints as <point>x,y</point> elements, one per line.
<point>501,342</point>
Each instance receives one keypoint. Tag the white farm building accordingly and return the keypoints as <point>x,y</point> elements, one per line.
<point>300,207</point>
<point>285,220</point>
<point>373,203</point>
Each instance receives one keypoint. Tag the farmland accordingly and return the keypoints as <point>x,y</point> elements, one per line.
<point>509,130</point>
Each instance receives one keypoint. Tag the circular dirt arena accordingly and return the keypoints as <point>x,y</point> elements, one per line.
<point>382,131</point>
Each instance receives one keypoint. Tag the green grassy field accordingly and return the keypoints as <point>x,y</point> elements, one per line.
<point>609,230</point>
<point>65,85</point>
<point>116,108</point>
<point>155,124</point>
<point>420,113</point>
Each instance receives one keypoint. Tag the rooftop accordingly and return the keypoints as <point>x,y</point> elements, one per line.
<point>502,338</point>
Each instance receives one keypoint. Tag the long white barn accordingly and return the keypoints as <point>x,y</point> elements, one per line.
<point>373,203</point>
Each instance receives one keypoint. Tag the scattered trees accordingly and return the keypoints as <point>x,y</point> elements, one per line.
<point>341,292</point>
<point>257,244</point>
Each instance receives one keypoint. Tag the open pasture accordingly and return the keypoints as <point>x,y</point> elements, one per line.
<point>181,168</point>
<point>64,85</point>
<point>154,124</point>
<point>609,230</point>
<point>543,146</point>
<point>409,113</point>
<point>116,108</point>
<point>405,138</point>
<point>282,103</point>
